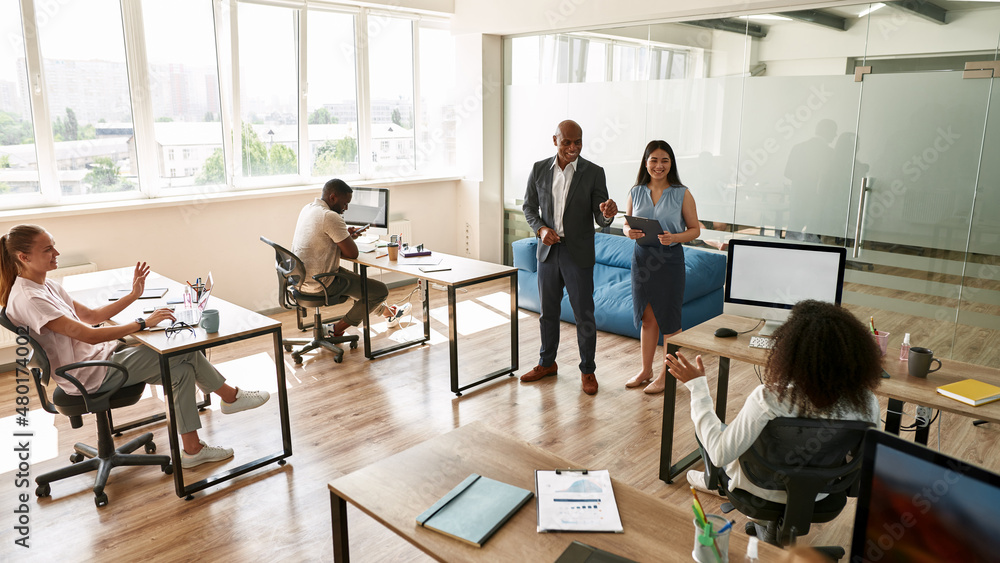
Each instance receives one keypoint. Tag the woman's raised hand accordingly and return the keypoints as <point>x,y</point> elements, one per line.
<point>139,279</point>
<point>682,369</point>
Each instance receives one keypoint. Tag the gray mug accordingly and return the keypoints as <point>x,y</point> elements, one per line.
<point>210,320</point>
<point>920,362</point>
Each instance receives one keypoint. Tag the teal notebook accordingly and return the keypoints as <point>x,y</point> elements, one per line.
<point>475,509</point>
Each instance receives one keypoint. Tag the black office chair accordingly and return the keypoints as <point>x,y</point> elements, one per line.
<point>804,457</point>
<point>105,456</point>
<point>291,273</point>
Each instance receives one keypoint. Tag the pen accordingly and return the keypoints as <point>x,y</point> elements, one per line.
<point>725,528</point>
<point>872,322</point>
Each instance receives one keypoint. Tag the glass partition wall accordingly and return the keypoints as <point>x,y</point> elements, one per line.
<point>855,126</point>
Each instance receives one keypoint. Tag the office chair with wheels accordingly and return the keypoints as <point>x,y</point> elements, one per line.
<point>105,456</point>
<point>291,273</point>
<point>804,457</point>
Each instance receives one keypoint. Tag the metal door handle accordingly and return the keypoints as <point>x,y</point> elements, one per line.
<point>861,214</point>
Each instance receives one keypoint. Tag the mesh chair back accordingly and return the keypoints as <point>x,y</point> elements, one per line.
<point>291,272</point>
<point>824,453</point>
<point>38,361</point>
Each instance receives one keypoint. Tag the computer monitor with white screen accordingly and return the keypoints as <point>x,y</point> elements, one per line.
<point>765,279</point>
<point>368,206</point>
<point>917,504</point>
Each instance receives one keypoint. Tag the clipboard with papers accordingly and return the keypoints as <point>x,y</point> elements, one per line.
<point>650,228</point>
<point>576,500</point>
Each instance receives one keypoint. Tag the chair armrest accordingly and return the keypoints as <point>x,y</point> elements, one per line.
<point>336,289</point>
<point>94,402</point>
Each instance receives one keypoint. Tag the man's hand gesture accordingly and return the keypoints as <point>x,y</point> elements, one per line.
<point>609,209</point>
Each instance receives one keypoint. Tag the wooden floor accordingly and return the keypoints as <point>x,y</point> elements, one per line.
<point>345,416</point>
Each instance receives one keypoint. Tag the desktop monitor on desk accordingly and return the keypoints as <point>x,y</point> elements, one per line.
<point>765,278</point>
<point>368,206</point>
<point>917,504</point>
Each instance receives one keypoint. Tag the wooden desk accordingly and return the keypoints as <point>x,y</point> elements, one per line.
<point>236,323</point>
<point>900,388</point>
<point>395,490</point>
<point>463,272</point>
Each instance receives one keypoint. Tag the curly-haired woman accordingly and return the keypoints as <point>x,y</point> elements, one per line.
<point>824,364</point>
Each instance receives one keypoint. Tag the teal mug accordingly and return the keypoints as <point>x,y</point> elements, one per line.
<point>210,320</point>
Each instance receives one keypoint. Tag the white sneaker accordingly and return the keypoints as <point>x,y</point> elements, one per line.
<point>398,311</point>
<point>697,480</point>
<point>245,400</point>
<point>207,454</point>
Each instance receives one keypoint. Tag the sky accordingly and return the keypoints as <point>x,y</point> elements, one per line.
<point>181,31</point>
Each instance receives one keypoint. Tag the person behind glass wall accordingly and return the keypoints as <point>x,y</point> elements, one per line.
<point>658,270</point>
<point>804,170</point>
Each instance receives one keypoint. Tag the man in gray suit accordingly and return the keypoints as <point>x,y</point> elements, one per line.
<point>566,195</point>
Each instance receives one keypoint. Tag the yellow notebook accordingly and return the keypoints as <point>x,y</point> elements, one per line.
<point>971,392</point>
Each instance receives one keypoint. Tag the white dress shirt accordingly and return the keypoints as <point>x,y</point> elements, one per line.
<point>561,180</point>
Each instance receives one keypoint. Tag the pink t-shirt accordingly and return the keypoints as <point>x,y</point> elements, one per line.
<point>34,305</point>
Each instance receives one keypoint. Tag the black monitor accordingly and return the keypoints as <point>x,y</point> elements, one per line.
<point>368,205</point>
<point>766,278</point>
<point>917,504</point>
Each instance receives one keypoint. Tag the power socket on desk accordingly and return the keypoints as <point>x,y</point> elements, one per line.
<point>924,415</point>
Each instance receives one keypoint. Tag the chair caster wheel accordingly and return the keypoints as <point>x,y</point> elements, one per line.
<point>150,448</point>
<point>297,358</point>
<point>288,347</point>
<point>76,458</point>
<point>167,469</point>
<point>101,500</point>
<point>338,358</point>
<point>354,345</point>
<point>43,490</point>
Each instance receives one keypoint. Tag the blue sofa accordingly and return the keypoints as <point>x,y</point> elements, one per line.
<point>705,277</point>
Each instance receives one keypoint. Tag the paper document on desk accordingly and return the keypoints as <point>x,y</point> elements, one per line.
<point>576,501</point>
<point>419,261</point>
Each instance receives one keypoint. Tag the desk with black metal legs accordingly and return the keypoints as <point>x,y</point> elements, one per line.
<point>462,272</point>
<point>236,323</point>
<point>899,388</point>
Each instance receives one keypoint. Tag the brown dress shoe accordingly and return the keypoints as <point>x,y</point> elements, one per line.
<point>589,383</point>
<point>539,372</point>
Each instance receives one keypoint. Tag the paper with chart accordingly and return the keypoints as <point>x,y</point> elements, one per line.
<point>576,501</point>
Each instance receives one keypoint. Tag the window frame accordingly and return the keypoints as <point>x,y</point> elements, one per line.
<point>226,31</point>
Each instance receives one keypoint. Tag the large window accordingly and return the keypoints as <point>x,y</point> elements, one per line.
<point>390,67</point>
<point>184,87</point>
<point>18,160</point>
<point>104,99</point>
<point>333,95</point>
<point>90,111</point>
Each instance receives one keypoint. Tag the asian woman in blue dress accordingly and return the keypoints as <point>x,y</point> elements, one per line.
<point>658,269</point>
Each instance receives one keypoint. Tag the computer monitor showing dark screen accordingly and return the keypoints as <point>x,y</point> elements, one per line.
<point>368,205</point>
<point>917,504</point>
<point>765,279</point>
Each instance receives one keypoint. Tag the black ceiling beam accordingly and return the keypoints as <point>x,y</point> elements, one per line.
<point>733,26</point>
<point>817,17</point>
<point>923,8</point>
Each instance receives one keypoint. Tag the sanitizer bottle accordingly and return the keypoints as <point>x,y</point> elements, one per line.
<point>904,349</point>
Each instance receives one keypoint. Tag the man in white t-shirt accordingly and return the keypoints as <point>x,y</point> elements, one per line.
<point>321,238</point>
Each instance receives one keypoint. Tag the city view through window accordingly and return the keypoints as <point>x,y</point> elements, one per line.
<point>98,140</point>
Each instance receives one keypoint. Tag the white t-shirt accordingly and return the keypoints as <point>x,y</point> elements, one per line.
<point>726,443</point>
<point>317,233</point>
<point>34,305</point>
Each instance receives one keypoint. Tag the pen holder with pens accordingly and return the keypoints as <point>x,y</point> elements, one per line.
<point>711,539</point>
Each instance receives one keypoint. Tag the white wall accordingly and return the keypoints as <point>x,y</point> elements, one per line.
<point>185,241</point>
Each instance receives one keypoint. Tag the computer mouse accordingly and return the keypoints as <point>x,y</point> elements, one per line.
<point>725,332</point>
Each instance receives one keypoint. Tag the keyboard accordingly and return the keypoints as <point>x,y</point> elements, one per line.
<point>761,342</point>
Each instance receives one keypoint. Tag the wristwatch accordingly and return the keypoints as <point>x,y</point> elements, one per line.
<point>142,323</point>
